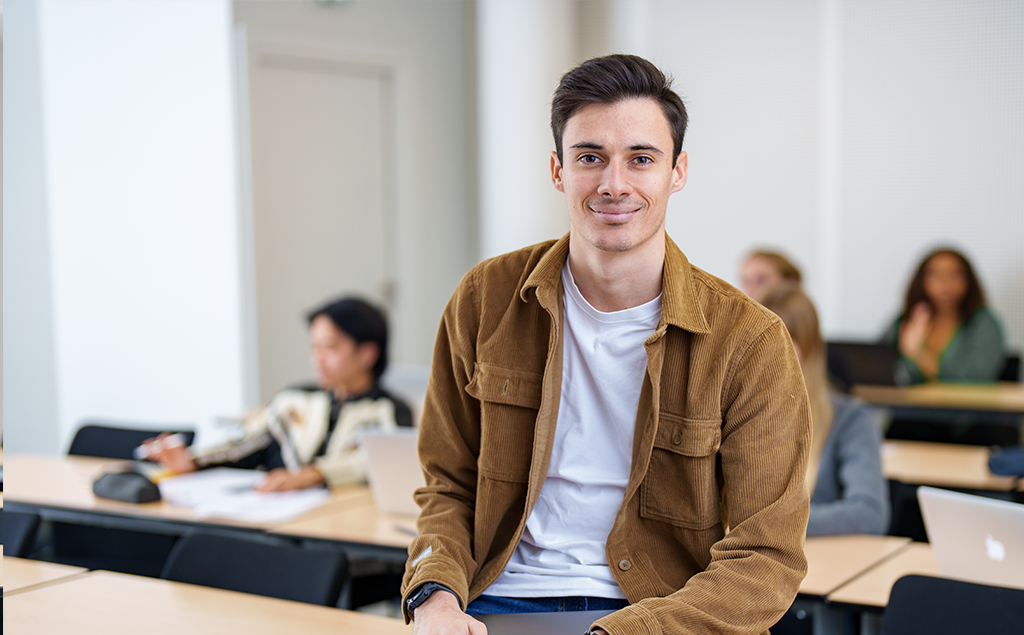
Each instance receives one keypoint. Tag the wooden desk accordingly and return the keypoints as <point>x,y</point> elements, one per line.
<point>835,560</point>
<point>104,603</point>
<point>60,488</point>
<point>1007,397</point>
<point>362,530</point>
<point>23,575</point>
<point>872,588</point>
<point>941,465</point>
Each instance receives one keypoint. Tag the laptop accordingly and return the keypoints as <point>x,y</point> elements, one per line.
<point>851,363</point>
<point>556,623</point>
<point>393,470</point>
<point>975,538</point>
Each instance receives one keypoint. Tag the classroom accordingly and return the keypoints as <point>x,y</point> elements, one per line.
<point>185,181</point>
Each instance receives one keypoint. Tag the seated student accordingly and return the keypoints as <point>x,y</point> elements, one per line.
<point>946,331</point>
<point>849,494</point>
<point>763,270</point>
<point>308,436</point>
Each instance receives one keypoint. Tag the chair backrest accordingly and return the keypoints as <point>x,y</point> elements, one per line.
<point>19,532</point>
<point>1011,368</point>
<point>922,604</point>
<point>255,566</point>
<point>115,443</point>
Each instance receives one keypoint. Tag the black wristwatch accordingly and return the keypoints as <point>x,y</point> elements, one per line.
<point>421,594</point>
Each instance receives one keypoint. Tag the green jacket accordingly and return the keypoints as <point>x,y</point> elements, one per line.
<point>976,352</point>
<point>721,440</point>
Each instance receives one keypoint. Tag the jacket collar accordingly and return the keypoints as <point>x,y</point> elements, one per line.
<point>679,306</point>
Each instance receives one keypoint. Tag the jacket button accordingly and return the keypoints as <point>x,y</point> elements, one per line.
<point>625,565</point>
<point>677,438</point>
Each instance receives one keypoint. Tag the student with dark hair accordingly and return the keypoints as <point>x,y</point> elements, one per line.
<point>600,412</point>
<point>309,436</point>
<point>946,332</point>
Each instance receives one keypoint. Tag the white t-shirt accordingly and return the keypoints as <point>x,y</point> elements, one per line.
<point>561,552</point>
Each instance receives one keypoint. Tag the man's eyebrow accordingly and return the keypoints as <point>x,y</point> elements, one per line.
<point>647,147</point>
<point>590,145</point>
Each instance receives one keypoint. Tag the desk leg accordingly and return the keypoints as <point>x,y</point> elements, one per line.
<point>870,623</point>
<point>828,620</point>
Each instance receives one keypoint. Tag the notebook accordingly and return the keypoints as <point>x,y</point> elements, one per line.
<point>975,538</point>
<point>557,623</point>
<point>393,470</point>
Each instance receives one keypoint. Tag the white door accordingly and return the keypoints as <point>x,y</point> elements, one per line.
<point>320,129</point>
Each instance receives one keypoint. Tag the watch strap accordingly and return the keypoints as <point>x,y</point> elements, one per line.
<point>421,594</point>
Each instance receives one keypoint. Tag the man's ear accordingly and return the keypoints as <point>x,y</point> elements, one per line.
<point>556,172</point>
<point>368,354</point>
<point>680,169</point>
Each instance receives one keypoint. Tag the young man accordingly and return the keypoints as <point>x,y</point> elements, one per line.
<point>607,426</point>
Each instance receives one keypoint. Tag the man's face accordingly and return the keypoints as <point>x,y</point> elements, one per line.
<point>618,173</point>
<point>337,360</point>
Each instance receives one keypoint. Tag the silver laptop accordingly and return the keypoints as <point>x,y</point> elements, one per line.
<point>975,538</point>
<point>393,470</point>
<point>556,623</point>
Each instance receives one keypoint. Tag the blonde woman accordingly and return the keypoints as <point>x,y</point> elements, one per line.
<point>764,269</point>
<point>849,495</point>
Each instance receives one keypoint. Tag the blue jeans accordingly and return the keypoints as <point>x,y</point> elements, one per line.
<point>494,605</point>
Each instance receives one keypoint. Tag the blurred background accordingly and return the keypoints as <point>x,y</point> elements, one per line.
<point>182,180</point>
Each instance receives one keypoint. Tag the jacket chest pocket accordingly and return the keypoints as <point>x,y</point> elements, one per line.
<point>509,401</point>
<point>681,485</point>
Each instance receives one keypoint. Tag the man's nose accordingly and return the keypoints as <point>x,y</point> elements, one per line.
<point>614,181</point>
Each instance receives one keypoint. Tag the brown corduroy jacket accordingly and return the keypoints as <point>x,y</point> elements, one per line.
<point>721,440</point>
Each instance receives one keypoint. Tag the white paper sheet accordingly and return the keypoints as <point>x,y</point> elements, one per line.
<point>228,492</point>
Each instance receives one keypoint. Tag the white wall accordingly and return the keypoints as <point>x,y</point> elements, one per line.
<point>30,397</point>
<point>141,214</point>
<point>524,48</point>
<point>852,135</point>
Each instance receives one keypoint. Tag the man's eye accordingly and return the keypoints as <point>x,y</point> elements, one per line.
<point>588,159</point>
<point>643,160</point>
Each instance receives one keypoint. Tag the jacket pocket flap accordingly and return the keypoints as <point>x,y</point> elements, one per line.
<point>689,437</point>
<point>506,386</point>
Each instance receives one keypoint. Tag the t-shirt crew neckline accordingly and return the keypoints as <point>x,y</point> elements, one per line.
<point>641,313</point>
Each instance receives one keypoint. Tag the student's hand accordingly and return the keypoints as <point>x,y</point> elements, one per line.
<point>174,457</point>
<point>281,480</point>
<point>914,331</point>
<point>441,615</point>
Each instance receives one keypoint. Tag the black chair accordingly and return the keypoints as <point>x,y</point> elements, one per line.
<point>123,550</point>
<point>252,565</point>
<point>19,533</point>
<point>115,443</point>
<point>1011,368</point>
<point>938,606</point>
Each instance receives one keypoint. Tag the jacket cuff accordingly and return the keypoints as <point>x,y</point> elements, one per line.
<point>632,620</point>
<point>439,569</point>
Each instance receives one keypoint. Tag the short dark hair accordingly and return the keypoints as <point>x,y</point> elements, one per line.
<point>973,300</point>
<point>611,79</point>
<point>361,321</point>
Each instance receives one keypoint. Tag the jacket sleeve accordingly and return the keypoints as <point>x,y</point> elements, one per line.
<point>755,570</point>
<point>856,452</point>
<point>449,444</point>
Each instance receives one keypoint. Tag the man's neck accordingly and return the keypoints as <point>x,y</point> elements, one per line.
<point>614,281</point>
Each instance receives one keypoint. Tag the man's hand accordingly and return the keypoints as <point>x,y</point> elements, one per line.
<point>441,615</point>
<point>174,457</point>
<point>281,480</point>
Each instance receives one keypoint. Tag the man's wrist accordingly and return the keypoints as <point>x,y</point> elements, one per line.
<point>428,592</point>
